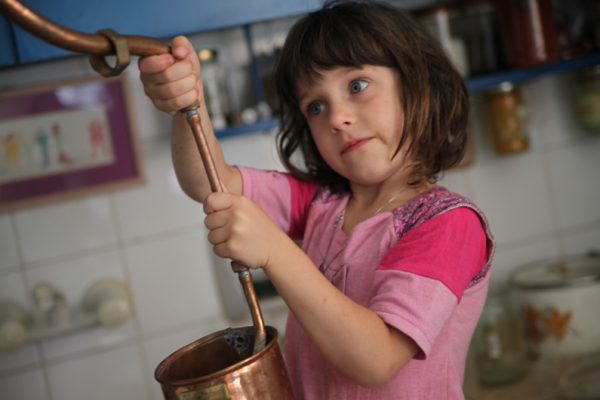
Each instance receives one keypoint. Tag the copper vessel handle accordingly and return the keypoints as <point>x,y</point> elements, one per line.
<point>108,42</point>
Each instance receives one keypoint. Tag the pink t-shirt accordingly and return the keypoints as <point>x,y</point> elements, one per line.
<point>423,268</point>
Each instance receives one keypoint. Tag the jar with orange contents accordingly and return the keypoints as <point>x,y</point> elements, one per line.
<point>507,119</point>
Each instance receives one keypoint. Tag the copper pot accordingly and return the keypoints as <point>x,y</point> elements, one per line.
<point>221,366</point>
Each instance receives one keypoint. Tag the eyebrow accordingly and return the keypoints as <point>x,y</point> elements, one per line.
<point>304,93</point>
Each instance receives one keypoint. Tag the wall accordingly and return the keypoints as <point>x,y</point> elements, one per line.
<point>541,204</point>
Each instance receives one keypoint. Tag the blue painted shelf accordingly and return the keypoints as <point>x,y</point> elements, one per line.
<point>480,83</point>
<point>261,126</point>
<point>475,84</point>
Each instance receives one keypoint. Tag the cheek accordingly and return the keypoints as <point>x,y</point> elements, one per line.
<point>323,146</point>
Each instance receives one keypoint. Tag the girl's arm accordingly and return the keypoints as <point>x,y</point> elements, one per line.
<point>352,337</point>
<point>188,164</point>
<point>172,82</point>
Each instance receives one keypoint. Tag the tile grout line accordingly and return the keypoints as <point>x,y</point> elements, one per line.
<point>114,346</point>
<point>150,238</point>
<point>137,330</point>
<point>38,346</point>
<point>553,206</point>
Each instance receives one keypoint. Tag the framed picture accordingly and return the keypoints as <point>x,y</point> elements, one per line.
<point>66,140</point>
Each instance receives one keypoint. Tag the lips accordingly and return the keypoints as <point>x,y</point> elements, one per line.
<point>353,145</point>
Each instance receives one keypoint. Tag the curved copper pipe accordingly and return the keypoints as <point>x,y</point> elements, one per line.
<point>101,45</point>
<point>72,40</point>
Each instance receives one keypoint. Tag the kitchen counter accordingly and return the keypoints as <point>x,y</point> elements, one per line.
<point>540,383</point>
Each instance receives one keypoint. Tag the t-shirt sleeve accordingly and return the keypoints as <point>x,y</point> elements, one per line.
<point>284,198</point>
<point>423,277</point>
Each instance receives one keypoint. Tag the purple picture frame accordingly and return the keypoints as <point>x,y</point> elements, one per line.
<point>62,104</point>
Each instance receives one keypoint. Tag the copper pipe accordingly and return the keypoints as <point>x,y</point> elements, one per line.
<point>69,39</point>
<point>102,45</point>
<point>193,118</point>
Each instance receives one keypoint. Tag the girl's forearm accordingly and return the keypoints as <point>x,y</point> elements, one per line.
<point>352,337</point>
<point>188,164</point>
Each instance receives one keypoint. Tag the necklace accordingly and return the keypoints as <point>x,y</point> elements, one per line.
<point>387,203</point>
<point>325,264</point>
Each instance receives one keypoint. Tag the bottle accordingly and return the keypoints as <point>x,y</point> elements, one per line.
<point>507,119</point>
<point>215,92</point>
<point>442,23</point>
<point>529,32</point>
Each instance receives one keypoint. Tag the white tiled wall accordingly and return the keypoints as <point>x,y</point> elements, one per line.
<point>540,204</point>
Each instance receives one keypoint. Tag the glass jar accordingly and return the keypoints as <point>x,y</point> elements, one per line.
<point>507,119</point>
<point>215,92</point>
<point>587,99</point>
<point>499,343</point>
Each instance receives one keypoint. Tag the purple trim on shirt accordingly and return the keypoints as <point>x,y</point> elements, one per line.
<point>437,201</point>
<point>451,249</point>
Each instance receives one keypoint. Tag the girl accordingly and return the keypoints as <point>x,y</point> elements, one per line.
<point>393,271</point>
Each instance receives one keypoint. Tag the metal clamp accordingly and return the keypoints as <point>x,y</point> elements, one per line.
<point>121,50</point>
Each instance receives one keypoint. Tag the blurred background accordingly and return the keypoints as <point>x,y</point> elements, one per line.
<point>100,282</point>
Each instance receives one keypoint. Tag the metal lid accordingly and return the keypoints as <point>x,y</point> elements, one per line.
<point>590,72</point>
<point>568,271</point>
<point>504,87</point>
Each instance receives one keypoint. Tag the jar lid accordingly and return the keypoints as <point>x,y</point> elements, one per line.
<point>207,54</point>
<point>583,381</point>
<point>504,87</point>
<point>568,271</point>
<point>590,72</point>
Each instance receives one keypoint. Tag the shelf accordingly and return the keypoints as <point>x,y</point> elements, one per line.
<point>261,126</point>
<point>477,84</point>
<point>78,322</point>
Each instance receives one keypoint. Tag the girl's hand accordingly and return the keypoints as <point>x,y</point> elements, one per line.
<point>172,81</point>
<point>241,231</point>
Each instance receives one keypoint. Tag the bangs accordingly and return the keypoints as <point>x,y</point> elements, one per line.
<point>319,46</point>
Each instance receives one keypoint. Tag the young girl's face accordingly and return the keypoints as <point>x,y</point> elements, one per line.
<point>355,117</point>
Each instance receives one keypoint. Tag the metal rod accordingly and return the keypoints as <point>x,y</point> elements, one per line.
<point>260,335</point>
<point>101,45</point>
<point>193,118</point>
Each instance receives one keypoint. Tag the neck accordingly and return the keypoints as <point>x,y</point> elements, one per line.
<point>366,202</point>
<point>374,196</point>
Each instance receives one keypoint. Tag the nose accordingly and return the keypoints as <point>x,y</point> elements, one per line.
<point>341,115</point>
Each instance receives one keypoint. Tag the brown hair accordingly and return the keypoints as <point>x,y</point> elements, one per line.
<point>356,33</point>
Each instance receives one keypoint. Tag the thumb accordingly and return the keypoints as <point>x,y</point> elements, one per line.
<point>181,47</point>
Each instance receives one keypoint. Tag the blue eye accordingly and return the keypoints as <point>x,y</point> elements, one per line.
<point>315,108</point>
<point>358,85</point>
